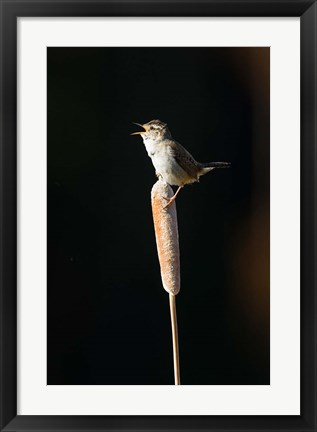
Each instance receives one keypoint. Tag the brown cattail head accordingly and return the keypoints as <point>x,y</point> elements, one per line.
<point>166,234</point>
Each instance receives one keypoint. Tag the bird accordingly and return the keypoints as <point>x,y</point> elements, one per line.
<point>172,162</point>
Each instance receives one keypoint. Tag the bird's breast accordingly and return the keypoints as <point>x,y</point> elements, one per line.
<point>166,165</point>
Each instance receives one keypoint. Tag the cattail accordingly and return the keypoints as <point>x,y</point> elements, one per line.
<point>166,234</point>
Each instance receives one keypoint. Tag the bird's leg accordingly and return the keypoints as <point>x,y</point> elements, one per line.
<point>173,198</point>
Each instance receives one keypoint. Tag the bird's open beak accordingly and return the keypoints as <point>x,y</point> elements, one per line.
<point>141,132</point>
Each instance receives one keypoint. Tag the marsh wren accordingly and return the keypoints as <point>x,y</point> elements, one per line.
<point>172,162</point>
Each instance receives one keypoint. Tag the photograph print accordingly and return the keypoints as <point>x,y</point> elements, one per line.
<point>158,216</point>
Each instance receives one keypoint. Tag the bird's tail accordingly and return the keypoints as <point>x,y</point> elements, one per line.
<point>206,167</point>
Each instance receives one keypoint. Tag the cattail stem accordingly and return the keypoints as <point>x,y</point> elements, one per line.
<point>166,234</point>
<point>175,339</point>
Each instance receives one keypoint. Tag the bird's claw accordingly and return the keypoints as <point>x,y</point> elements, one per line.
<point>169,203</point>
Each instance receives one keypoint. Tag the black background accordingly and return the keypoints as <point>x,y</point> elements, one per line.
<point>108,315</point>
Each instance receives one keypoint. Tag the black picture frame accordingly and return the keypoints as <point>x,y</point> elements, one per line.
<point>10,11</point>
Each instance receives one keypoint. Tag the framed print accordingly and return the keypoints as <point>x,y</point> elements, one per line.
<point>158,157</point>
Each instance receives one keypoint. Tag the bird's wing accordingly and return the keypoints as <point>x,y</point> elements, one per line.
<point>184,159</point>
